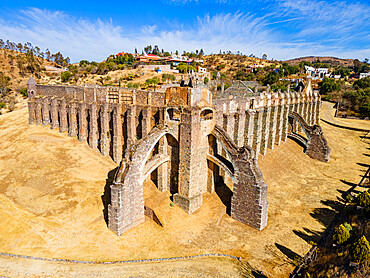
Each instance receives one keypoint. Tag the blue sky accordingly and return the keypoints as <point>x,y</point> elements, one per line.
<point>281,29</point>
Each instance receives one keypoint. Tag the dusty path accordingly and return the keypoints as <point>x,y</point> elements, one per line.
<point>328,113</point>
<point>50,206</point>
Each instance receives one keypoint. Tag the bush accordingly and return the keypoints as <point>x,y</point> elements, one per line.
<point>361,250</point>
<point>206,80</point>
<point>364,199</point>
<point>2,105</point>
<point>24,92</point>
<point>65,76</point>
<point>341,234</point>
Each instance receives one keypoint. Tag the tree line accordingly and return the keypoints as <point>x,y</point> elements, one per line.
<point>35,51</point>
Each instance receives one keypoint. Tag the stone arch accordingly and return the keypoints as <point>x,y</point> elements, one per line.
<point>127,202</point>
<point>206,114</point>
<point>173,114</point>
<point>249,198</point>
<point>316,145</point>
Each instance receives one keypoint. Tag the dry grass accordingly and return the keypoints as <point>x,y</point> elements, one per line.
<point>51,187</point>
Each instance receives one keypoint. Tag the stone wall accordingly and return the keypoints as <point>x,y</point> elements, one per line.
<point>181,138</point>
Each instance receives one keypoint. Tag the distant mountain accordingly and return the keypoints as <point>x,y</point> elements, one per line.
<point>333,61</point>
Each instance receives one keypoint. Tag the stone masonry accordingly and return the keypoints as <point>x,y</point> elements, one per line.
<point>183,138</point>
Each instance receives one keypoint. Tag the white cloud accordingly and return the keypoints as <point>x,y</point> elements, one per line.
<point>95,40</point>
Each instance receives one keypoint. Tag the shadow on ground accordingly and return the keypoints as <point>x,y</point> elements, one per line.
<point>106,195</point>
<point>247,271</point>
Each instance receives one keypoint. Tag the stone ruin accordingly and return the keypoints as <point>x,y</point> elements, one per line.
<point>182,138</point>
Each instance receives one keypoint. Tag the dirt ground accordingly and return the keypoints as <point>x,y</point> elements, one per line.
<point>51,189</point>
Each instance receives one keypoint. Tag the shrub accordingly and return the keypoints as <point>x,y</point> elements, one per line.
<point>341,234</point>
<point>206,80</point>
<point>364,199</point>
<point>24,92</point>
<point>361,250</point>
<point>65,76</point>
<point>2,105</point>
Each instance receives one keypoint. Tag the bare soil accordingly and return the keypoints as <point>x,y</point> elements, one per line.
<point>51,189</point>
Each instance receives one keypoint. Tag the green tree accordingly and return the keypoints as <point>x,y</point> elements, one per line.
<point>271,78</point>
<point>65,76</point>
<point>328,85</point>
<point>362,83</point>
<point>4,83</point>
<point>341,234</point>
<point>206,80</point>
<point>361,250</point>
<point>364,199</point>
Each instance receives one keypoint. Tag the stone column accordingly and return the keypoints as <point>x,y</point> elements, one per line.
<point>117,133</point>
<point>230,125</point>
<point>314,108</point>
<point>279,124</point>
<point>250,127</point>
<point>147,115</point>
<point>257,132</point>
<point>82,125</point>
<point>63,125</point>
<point>104,132</point>
<point>38,111</point>
<point>193,156</point>
<point>284,133</point>
<point>131,128</point>
<point>317,112</point>
<point>309,120</point>
<point>72,129</point>
<point>31,111</point>
<point>45,111</point>
<point>93,132</point>
<point>54,113</point>
<point>162,170</point>
<point>273,124</point>
<point>265,129</point>
<point>241,129</point>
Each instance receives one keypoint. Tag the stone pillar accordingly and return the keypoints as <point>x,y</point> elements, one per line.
<point>193,156</point>
<point>82,125</point>
<point>104,132</point>
<point>230,125</point>
<point>273,124</point>
<point>147,116</point>
<point>31,111</point>
<point>54,113</point>
<point>162,170</point>
<point>284,133</point>
<point>279,124</point>
<point>317,112</point>
<point>45,111</point>
<point>93,126</point>
<point>314,108</point>
<point>309,120</point>
<point>63,125</point>
<point>265,129</point>
<point>72,129</point>
<point>300,112</point>
<point>117,133</point>
<point>257,132</point>
<point>126,209</point>
<point>131,128</point>
<point>38,111</point>
<point>250,127</point>
<point>241,129</point>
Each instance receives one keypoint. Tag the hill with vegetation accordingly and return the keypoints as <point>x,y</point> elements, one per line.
<point>332,61</point>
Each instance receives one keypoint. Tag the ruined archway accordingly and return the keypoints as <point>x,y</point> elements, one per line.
<point>127,203</point>
<point>315,144</point>
<point>249,198</point>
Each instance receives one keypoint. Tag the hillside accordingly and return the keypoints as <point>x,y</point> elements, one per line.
<point>229,64</point>
<point>333,61</point>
